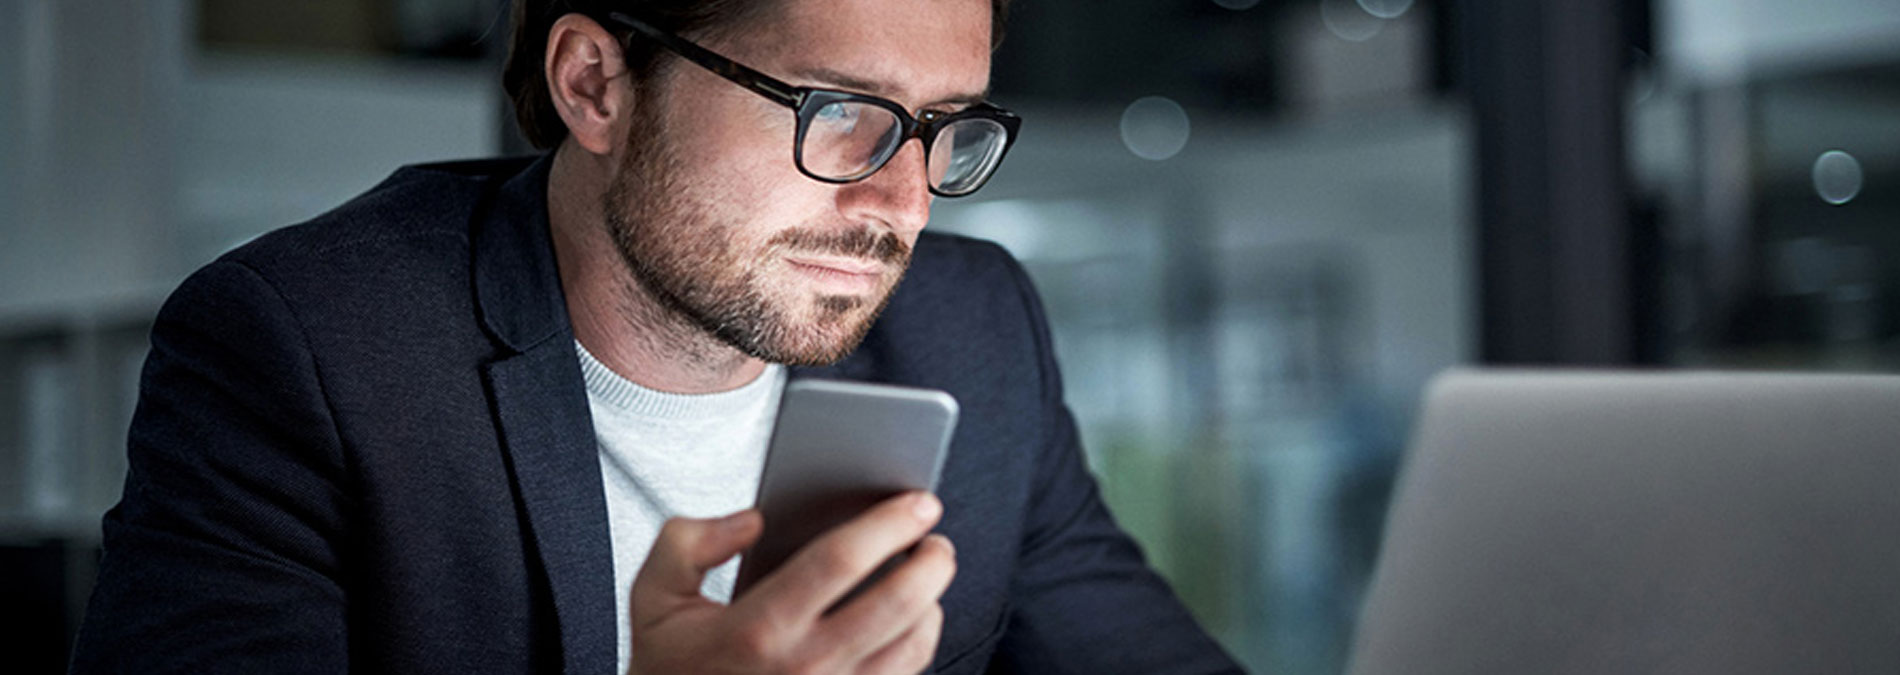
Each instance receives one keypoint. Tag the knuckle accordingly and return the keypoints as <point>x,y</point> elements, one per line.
<point>942,554</point>
<point>949,575</point>
<point>754,643</point>
<point>939,567</point>
<point>908,598</point>
<point>898,600</point>
<point>921,648</point>
<point>835,558</point>
<point>810,667</point>
<point>674,528</point>
<point>918,596</point>
<point>918,657</point>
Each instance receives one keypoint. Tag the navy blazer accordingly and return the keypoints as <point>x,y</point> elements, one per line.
<point>363,443</point>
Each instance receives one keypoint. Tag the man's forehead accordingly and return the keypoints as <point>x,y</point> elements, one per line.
<point>919,52</point>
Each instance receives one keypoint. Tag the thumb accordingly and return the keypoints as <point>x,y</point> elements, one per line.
<point>685,551</point>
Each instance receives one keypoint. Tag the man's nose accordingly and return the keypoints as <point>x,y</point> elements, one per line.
<point>897,196</point>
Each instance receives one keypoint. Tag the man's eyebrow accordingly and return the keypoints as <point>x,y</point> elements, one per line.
<point>833,78</point>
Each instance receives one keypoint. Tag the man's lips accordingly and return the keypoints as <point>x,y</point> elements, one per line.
<point>845,266</point>
<point>839,275</point>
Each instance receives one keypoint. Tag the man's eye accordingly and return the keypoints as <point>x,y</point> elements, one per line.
<point>838,113</point>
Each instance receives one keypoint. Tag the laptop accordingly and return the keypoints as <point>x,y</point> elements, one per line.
<point>1553,522</point>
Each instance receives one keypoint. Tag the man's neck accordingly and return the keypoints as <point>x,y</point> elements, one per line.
<point>614,316</point>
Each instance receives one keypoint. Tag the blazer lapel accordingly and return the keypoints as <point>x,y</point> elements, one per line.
<point>541,405</point>
<point>541,413</point>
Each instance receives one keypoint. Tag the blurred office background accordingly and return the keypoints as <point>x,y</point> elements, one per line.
<point>1260,226</point>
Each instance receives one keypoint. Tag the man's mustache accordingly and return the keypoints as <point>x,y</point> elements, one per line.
<point>883,247</point>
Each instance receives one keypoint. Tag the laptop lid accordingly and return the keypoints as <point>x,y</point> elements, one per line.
<point>1643,523</point>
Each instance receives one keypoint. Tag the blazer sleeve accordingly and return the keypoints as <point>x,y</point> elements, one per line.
<point>223,554</point>
<point>1083,598</point>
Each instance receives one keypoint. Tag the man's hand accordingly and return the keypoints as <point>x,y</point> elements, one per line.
<point>780,625</point>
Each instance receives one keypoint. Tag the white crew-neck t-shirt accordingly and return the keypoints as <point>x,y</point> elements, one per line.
<point>664,455</point>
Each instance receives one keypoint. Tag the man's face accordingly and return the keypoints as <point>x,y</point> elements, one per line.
<point>714,218</point>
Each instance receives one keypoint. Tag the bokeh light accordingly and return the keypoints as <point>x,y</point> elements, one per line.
<point>1154,127</point>
<point>1837,177</point>
<point>1349,21</point>
<point>1386,9</point>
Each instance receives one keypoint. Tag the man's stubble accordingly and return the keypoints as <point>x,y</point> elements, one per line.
<point>668,232</point>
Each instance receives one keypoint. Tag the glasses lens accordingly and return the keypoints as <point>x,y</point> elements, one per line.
<point>964,154</point>
<point>847,139</point>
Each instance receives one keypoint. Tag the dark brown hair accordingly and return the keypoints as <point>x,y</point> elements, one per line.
<point>525,79</point>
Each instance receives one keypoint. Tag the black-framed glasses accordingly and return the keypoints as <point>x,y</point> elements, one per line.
<point>844,137</point>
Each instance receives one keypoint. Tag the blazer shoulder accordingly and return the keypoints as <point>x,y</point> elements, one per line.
<point>961,264</point>
<point>949,245</point>
<point>415,203</point>
<point>969,292</point>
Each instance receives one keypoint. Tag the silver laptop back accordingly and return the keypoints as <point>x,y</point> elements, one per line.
<point>1643,523</point>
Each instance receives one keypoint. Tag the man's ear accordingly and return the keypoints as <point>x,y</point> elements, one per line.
<point>587,78</point>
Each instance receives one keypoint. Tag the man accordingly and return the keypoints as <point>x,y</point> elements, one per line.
<point>439,428</point>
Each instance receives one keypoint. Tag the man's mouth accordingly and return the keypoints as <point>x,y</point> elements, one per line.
<point>844,275</point>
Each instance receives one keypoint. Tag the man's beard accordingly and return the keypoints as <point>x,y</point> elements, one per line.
<point>669,234</point>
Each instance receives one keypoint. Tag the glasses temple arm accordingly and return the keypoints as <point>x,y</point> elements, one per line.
<point>766,85</point>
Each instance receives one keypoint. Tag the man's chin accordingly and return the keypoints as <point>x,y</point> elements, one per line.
<point>831,329</point>
<point>807,351</point>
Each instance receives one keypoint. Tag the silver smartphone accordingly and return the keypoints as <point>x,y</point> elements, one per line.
<point>837,449</point>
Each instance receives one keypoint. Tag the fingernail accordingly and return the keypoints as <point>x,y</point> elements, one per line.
<point>952,545</point>
<point>926,506</point>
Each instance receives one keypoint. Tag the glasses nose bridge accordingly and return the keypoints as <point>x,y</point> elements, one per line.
<point>910,127</point>
<point>922,130</point>
<point>916,132</point>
